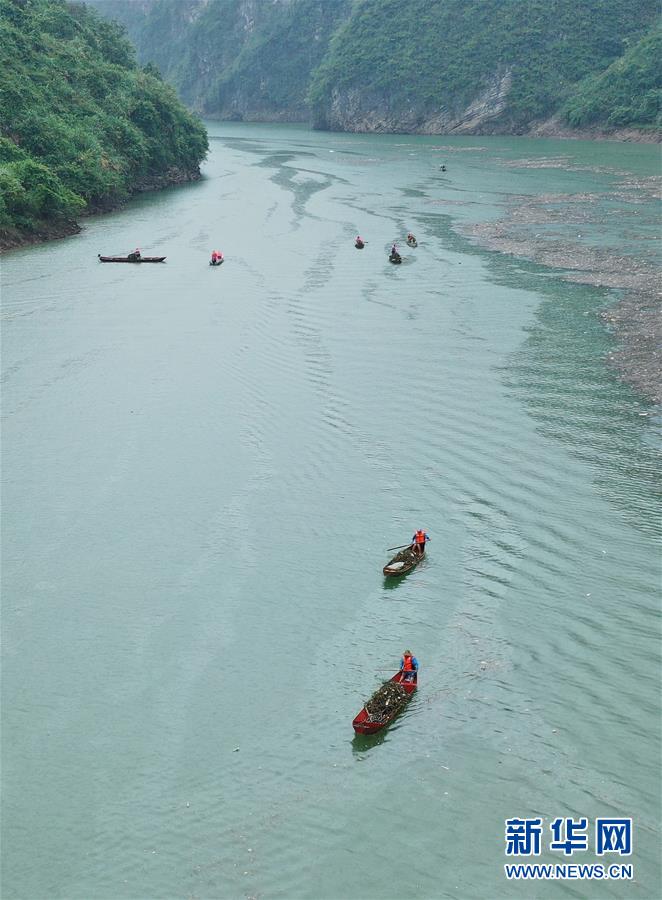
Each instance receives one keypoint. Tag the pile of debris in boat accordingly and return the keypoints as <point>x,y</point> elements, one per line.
<point>385,702</point>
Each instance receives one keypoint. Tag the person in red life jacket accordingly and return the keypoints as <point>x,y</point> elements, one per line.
<point>409,667</point>
<point>418,542</point>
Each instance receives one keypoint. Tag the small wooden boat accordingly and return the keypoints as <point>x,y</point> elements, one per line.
<point>395,258</point>
<point>359,245</point>
<point>412,242</point>
<point>126,259</point>
<point>365,724</point>
<point>403,562</point>
<point>216,262</point>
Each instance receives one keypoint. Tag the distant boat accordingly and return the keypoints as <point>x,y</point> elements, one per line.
<point>395,258</point>
<point>359,244</point>
<point>126,259</point>
<point>216,262</point>
<point>412,242</point>
<point>365,723</point>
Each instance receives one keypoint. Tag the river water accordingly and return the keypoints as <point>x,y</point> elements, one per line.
<point>202,471</point>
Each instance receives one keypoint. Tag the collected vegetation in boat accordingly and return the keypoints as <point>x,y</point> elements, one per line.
<point>403,562</point>
<point>384,705</point>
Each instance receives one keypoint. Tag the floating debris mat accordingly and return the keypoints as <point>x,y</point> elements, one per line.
<point>386,702</point>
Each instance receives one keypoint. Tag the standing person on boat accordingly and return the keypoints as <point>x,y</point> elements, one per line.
<point>418,542</point>
<point>409,667</point>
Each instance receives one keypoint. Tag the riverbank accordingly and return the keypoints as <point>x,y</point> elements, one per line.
<point>555,127</point>
<point>14,239</point>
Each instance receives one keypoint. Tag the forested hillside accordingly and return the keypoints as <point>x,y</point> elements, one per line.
<point>431,66</point>
<point>81,124</point>
<point>628,92</point>
<point>237,59</point>
<point>469,66</point>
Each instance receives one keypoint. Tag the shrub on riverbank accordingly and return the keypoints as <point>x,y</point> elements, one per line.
<point>81,125</point>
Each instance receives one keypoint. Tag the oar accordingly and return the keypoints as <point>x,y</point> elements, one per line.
<point>401,547</point>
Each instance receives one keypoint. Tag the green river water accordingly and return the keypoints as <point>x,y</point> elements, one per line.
<point>202,469</point>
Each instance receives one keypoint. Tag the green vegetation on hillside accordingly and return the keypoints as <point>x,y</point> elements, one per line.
<point>441,54</point>
<point>274,66</point>
<point>80,123</point>
<point>629,92</point>
<point>232,56</point>
<point>593,61</point>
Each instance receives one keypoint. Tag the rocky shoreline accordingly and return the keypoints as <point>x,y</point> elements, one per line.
<point>370,111</point>
<point>555,128</point>
<point>14,239</point>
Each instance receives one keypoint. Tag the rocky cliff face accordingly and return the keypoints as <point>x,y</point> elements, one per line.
<point>234,59</point>
<point>438,67</point>
<point>355,109</point>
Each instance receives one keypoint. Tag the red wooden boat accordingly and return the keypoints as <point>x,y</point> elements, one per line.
<point>364,724</point>
<point>142,259</point>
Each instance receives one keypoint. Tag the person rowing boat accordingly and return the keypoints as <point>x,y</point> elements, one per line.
<point>418,542</point>
<point>394,256</point>
<point>409,667</point>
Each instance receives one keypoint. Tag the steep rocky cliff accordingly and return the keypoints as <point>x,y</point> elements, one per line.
<point>427,66</point>
<point>234,59</point>
<point>356,109</point>
<point>476,66</point>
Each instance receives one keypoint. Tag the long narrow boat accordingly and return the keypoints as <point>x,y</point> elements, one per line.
<point>403,562</point>
<point>364,723</point>
<point>143,259</point>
